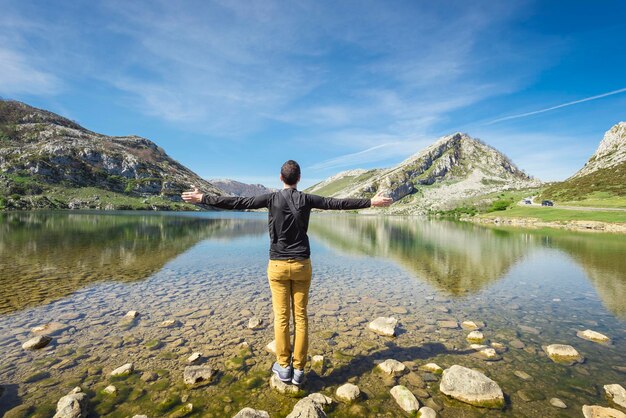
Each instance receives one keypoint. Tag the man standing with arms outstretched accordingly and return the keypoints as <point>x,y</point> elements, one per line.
<point>289,270</point>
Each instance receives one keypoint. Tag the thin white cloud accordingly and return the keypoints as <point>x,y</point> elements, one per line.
<point>19,76</point>
<point>587,99</point>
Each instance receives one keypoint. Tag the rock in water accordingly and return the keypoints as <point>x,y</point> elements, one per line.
<point>193,375</point>
<point>431,367</point>
<point>320,398</point>
<point>384,326</point>
<point>562,353</point>
<point>348,392</point>
<point>131,315</point>
<point>194,358</point>
<point>471,387</point>
<point>595,411</point>
<point>426,412</point>
<point>251,413</point>
<point>72,405</point>
<point>594,336</point>
<point>255,323</point>
<point>123,370</point>
<point>271,347</point>
<point>282,387</point>
<point>616,393</point>
<point>307,408</point>
<point>475,337</point>
<point>51,328</point>
<point>37,342</point>
<point>557,403</point>
<point>392,367</point>
<point>405,399</point>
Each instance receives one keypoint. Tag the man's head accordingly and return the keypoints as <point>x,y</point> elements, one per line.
<point>290,173</point>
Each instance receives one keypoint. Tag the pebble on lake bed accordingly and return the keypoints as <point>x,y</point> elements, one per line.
<point>255,323</point>
<point>36,343</point>
<point>557,403</point>
<point>392,367</point>
<point>195,375</point>
<point>594,336</point>
<point>348,392</point>
<point>431,367</point>
<point>471,325</point>
<point>110,390</point>
<point>426,412</point>
<point>251,413</point>
<point>194,357</point>
<point>131,315</point>
<point>271,347</point>
<point>405,399</point>
<point>384,326</point>
<point>475,337</point>
<point>124,370</point>
<point>563,353</point>
<point>472,387</point>
<point>595,411</point>
<point>72,405</point>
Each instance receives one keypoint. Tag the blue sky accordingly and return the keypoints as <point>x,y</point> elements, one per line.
<point>234,88</point>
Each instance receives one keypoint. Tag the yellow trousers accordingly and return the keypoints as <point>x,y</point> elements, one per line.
<point>290,281</point>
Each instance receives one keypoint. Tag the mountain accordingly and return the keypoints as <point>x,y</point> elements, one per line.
<point>602,177</point>
<point>49,161</point>
<point>454,168</point>
<point>236,188</point>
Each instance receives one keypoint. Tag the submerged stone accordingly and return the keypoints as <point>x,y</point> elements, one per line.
<point>384,326</point>
<point>594,336</point>
<point>251,413</point>
<point>36,343</point>
<point>448,324</point>
<point>431,367</point>
<point>563,353</point>
<point>271,347</point>
<point>405,399</point>
<point>557,403</point>
<point>472,387</point>
<point>255,323</point>
<point>72,405</point>
<point>194,375</point>
<point>475,337</point>
<point>392,367</point>
<point>124,370</point>
<point>51,328</point>
<point>348,392</point>
<point>426,412</point>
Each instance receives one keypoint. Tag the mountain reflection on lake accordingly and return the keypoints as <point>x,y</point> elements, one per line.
<point>197,278</point>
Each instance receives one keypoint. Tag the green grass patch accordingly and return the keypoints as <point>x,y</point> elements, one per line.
<point>552,214</point>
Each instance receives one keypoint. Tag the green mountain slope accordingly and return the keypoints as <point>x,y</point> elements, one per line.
<point>47,161</point>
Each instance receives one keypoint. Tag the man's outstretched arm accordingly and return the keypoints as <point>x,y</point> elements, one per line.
<point>227,202</point>
<point>320,202</point>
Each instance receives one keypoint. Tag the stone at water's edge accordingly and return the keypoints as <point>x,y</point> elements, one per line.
<point>194,375</point>
<point>307,408</point>
<point>37,342</point>
<point>348,392</point>
<point>255,323</point>
<point>594,336</point>
<point>557,403</point>
<point>194,357</point>
<point>426,412</point>
<point>475,337</point>
<point>124,370</point>
<point>392,367</point>
<point>131,315</point>
<point>431,367</point>
<point>384,326</point>
<point>282,387</point>
<point>472,387</point>
<point>616,393</point>
<point>72,405</point>
<point>562,353</point>
<point>271,347</point>
<point>251,413</point>
<point>595,411</point>
<point>405,399</point>
<point>51,328</point>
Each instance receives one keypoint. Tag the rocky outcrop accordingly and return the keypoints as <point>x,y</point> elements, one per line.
<point>52,151</point>
<point>610,153</point>
<point>72,405</point>
<point>237,188</point>
<point>454,168</point>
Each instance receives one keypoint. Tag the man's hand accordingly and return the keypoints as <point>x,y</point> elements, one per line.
<point>380,201</point>
<point>193,197</point>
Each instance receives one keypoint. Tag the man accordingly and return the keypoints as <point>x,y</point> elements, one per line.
<point>289,269</point>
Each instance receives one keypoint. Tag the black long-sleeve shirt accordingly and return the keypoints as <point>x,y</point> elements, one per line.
<point>288,238</point>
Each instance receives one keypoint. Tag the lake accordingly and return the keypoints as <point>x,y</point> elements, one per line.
<point>195,280</point>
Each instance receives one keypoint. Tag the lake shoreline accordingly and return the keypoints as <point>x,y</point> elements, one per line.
<point>534,223</point>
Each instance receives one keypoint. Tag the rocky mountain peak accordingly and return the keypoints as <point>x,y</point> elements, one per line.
<point>611,151</point>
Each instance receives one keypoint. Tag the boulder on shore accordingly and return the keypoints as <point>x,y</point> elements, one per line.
<point>194,375</point>
<point>385,326</point>
<point>348,392</point>
<point>282,387</point>
<point>472,387</point>
<point>124,370</point>
<point>37,342</point>
<point>392,367</point>
<point>616,393</point>
<point>307,408</point>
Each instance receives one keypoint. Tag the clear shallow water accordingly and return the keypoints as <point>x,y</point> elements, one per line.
<point>207,271</point>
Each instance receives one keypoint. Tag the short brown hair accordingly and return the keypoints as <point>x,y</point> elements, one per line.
<point>290,171</point>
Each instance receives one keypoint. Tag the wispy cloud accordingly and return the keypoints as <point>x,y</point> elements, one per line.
<point>20,76</point>
<point>535,112</point>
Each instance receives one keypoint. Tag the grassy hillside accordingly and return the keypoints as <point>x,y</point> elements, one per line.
<point>605,187</point>
<point>552,214</point>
